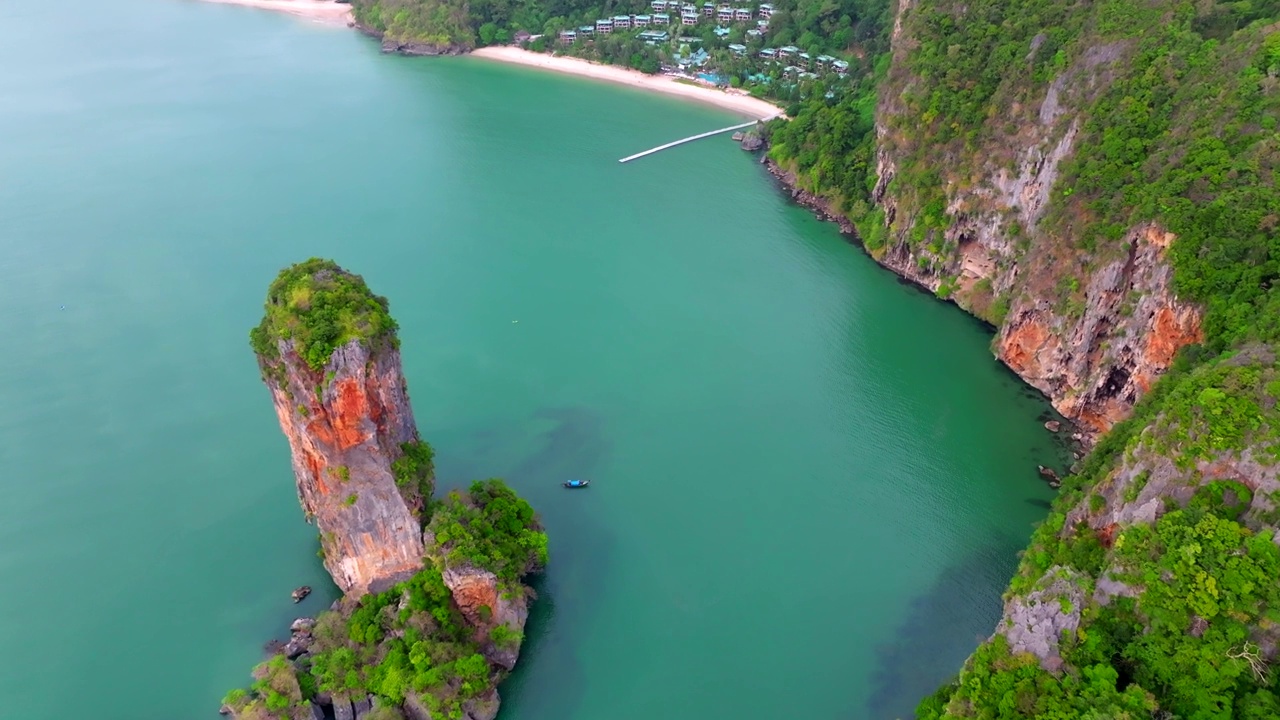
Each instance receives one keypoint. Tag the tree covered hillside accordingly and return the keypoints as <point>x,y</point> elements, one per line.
<point>818,25</point>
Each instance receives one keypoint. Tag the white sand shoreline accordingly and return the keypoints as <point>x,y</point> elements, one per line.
<point>325,11</point>
<point>741,104</point>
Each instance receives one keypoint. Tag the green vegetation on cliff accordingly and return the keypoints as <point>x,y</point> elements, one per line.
<point>411,643</point>
<point>441,24</point>
<point>320,307</point>
<point>1179,616</point>
<point>1184,134</point>
<point>1187,136</point>
<point>828,146</point>
<point>491,528</point>
<point>414,472</point>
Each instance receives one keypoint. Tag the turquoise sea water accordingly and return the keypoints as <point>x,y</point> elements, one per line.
<point>809,480</point>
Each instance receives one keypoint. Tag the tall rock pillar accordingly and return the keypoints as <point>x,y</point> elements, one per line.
<point>328,352</point>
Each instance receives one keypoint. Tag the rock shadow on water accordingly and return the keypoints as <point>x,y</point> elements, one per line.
<point>570,442</point>
<point>943,626</point>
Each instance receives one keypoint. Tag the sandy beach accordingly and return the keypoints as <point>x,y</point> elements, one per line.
<point>742,104</point>
<point>325,11</point>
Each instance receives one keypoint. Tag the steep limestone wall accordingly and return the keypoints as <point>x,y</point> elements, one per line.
<point>1091,329</point>
<point>344,438</point>
<point>347,422</point>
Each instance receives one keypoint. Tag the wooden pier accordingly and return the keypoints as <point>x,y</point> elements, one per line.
<point>691,138</point>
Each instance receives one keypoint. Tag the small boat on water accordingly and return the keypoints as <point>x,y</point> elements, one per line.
<point>576,483</point>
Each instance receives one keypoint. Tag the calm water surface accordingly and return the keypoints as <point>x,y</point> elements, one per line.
<point>810,480</point>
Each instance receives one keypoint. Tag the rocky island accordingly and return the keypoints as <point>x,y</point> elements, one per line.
<point>434,606</point>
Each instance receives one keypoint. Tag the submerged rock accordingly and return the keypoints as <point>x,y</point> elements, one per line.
<point>1053,426</point>
<point>301,593</point>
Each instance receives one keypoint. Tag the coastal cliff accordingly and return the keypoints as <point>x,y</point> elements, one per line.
<point>1090,327</point>
<point>434,605</point>
<point>1097,181</point>
<point>968,209</point>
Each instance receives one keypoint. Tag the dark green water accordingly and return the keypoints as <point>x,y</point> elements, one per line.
<point>810,480</point>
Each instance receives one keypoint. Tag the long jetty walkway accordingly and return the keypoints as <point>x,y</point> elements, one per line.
<point>691,138</point>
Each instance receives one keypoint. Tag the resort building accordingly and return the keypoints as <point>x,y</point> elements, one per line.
<point>804,59</point>
<point>658,5</point>
<point>640,21</point>
<point>654,37</point>
<point>737,49</point>
<point>788,51</point>
<point>825,60</point>
<point>587,30</point>
<point>621,22</point>
<point>768,53</point>
<point>568,36</point>
<point>689,18</point>
<point>698,58</point>
<point>766,10</point>
<point>661,19</point>
<point>604,26</point>
<point>762,24</point>
<point>708,9</point>
<point>725,14</point>
<point>790,71</point>
<point>688,8</point>
<point>741,14</point>
<point>754,34</point>
<point>841,66</point>
<point>721,31</point>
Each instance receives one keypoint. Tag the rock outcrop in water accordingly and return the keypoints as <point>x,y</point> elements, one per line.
<point>435,607</point>
<point>328,353</point>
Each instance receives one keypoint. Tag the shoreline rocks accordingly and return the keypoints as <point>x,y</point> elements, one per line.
<point>411,48</point>
<point>820,206</point>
